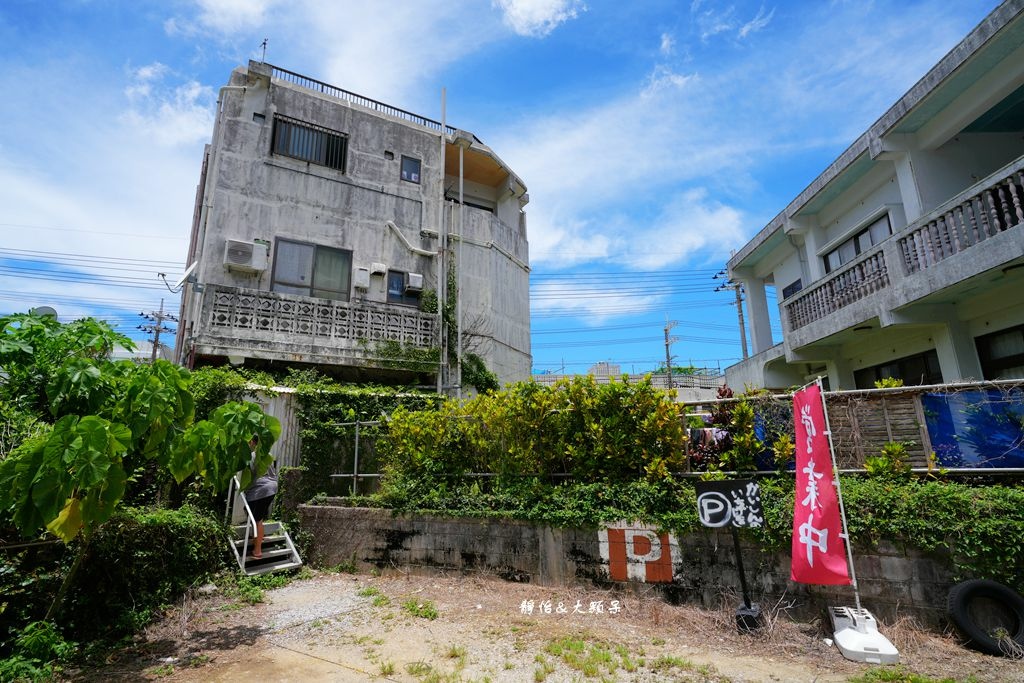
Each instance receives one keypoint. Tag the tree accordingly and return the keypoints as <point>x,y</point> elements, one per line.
<point>109,420</point>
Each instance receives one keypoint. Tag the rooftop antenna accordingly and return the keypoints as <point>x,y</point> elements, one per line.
<point>264,46</point>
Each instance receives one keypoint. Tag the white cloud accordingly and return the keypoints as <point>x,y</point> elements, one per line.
<point>688,223</point>
<point>712,22</point>
<point>664,77</point>
<point>668,45</point>
<point>604,181</point>
<point>538,18</point>
<point>757,23</point>
<point>169,114</point>
<point>232,16</point>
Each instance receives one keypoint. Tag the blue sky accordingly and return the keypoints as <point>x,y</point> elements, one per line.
<point>655,137</point>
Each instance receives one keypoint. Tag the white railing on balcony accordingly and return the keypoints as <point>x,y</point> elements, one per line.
<point>988,208</point>
<point>854,281</point>
<point>249,313</point>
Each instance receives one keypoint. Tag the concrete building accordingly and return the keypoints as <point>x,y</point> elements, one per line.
<point>323,225</point>
<point>905,257</point>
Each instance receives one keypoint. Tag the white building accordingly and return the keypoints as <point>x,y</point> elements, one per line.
<point>905,257</point>
<point>323,224</point>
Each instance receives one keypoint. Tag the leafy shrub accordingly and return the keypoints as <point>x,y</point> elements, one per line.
<point>891,461</point>
<point>475,374</point>
<point>213,387</point>
<point>613,432</point>
<point>138,561</point>
<point>327,443</point>
<point>38,650</point>
<point>745,444</point>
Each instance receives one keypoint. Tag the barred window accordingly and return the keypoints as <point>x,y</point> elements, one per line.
<point>305,141</point>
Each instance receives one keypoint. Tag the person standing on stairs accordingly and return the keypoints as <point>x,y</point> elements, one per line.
<point>260,496</point>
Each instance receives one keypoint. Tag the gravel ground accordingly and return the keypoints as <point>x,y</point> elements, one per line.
<point>335,627</point>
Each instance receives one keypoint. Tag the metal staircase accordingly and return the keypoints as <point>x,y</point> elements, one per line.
<point>278,551</point>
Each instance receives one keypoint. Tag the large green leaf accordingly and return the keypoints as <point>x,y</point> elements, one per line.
<point>102,501</point>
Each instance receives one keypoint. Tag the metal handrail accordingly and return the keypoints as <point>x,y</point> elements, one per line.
<point>349,96</point>
<point>237,485</point>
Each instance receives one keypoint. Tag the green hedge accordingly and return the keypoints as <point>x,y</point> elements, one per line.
<point>140,560</point>
<point>595,432</point>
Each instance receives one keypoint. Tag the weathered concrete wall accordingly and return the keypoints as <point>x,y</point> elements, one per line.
<point>699,567</point>
<point>250,193</point>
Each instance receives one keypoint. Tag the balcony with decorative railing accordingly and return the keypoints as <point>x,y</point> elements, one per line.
<point>984,211</point>
<point>260,324</point>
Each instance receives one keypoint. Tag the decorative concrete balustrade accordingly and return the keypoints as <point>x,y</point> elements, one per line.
<point>980,213</point>
<point>984,210</point>
<point>854,281</point>
<point>288,319</point>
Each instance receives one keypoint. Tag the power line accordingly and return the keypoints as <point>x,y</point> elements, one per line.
<point>91,231</point>
<point>98,257</point>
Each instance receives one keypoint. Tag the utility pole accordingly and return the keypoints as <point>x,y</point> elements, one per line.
<point>739,312</point>
<point>669,324</point>
<point>156,326</point>
<point>738,288</point>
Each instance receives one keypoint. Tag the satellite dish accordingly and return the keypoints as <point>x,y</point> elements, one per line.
<point>44,311</point>
<point>184,276</point>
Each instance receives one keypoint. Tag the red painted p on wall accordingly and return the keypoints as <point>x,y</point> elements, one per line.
<point>637,554</point>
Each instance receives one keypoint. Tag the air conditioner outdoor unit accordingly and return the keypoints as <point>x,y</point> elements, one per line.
<point>247,257</point>
<point>413,282</point>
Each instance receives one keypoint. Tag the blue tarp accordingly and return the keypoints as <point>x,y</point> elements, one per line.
<point>983,428</point>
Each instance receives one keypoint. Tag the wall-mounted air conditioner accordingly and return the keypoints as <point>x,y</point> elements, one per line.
<point>248,257</point>
<point>413,282</point>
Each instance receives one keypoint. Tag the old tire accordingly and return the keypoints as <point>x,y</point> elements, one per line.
<point>986,614</point>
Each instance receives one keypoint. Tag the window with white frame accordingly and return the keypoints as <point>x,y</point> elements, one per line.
<point>311,270</point>
<point>873,234</point>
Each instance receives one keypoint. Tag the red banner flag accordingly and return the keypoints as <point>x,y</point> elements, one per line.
<point>819,554</point>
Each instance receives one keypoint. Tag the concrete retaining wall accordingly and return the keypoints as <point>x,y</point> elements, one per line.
<point>699,568</point>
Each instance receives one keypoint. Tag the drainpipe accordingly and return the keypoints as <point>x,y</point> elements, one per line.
<point>458,277</point>
<point>442,273</point>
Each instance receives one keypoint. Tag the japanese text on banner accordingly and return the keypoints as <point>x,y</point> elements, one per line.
<point>819,553</point>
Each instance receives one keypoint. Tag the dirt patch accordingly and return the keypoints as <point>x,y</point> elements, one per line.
<point>360,628</point>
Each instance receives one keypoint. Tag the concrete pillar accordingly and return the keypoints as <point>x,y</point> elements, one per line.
<point>958,356</point>
<point>913,206</point>
<point>757,307</point>
<point>840,376</point>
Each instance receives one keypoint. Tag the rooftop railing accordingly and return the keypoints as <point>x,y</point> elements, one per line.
<point>349,96</point>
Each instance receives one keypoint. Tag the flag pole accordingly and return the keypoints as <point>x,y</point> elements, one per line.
<point>839,494</point>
